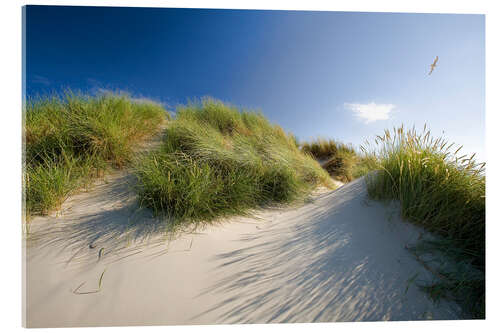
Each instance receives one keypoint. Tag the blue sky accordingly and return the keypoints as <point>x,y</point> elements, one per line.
<point>340,75</point>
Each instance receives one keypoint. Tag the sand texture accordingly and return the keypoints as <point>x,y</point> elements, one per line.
<point>338,257</point>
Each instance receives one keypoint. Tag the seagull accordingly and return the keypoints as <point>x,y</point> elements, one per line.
<point>433,65</point>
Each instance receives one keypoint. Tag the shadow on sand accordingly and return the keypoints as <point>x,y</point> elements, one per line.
<point>340,257</point>
<point>334,261</point>
<point>106,220</point>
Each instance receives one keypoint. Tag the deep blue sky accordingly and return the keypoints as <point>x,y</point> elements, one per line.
<point>307,71</point>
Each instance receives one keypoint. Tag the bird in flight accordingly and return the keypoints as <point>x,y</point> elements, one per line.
<point>433,65</point>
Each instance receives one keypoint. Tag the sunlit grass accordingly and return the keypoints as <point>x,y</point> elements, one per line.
<point>71,139</point>
<point>439,189</point>
<point>323,149</point>
<point>218,161</point>
<point>340,160</point>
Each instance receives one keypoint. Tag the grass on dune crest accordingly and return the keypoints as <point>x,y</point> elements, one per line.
<point>323,149</point>
<point>73,138</point>
<point>342,166</point>
<point>218,161</point>
<point>442,191</point>
<point>340,160</point>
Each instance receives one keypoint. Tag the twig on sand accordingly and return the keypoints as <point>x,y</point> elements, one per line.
<point>101,251</point>
<point>76,292</point>
<point>100,279</point>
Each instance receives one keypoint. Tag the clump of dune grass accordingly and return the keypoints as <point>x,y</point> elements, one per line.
<point>364,165</point>
<point>342,166</point>
<point>73,138</point>
<point>338,159</point>
<point>322,149</point>
<point>440,190</point>
<point>218,160</point>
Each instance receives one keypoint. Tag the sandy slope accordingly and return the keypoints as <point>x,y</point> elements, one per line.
<point>339,257</point>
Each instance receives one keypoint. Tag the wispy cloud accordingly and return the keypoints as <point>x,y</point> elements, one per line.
<point>40,80</point>
<point>370,112</point>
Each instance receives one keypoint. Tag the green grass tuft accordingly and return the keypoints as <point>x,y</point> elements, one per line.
<point>218,161</point>
<point>72,139</point>
<point>341,166</point>
<point>364,165</point>
<point>340,160</point>
<point>440,190</point>
<point>323,149</point>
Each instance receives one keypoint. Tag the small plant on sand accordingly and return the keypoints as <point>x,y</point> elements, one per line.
<point>72,139</point>
<point>440,190</point>
<point>217,161</point>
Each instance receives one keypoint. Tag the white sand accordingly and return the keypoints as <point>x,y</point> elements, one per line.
<point>340,257</point>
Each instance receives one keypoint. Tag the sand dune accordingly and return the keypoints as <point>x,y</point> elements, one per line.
<point>339,257</point>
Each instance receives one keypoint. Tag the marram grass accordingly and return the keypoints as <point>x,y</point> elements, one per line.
<point>325,148</point>
<point>340,160</point>
<point>218,161</point>
<point>342,165</point>
<point>72,139</point>
<point>439,189</point>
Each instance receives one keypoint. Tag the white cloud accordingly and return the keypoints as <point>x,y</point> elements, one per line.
<point>370,112</point>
